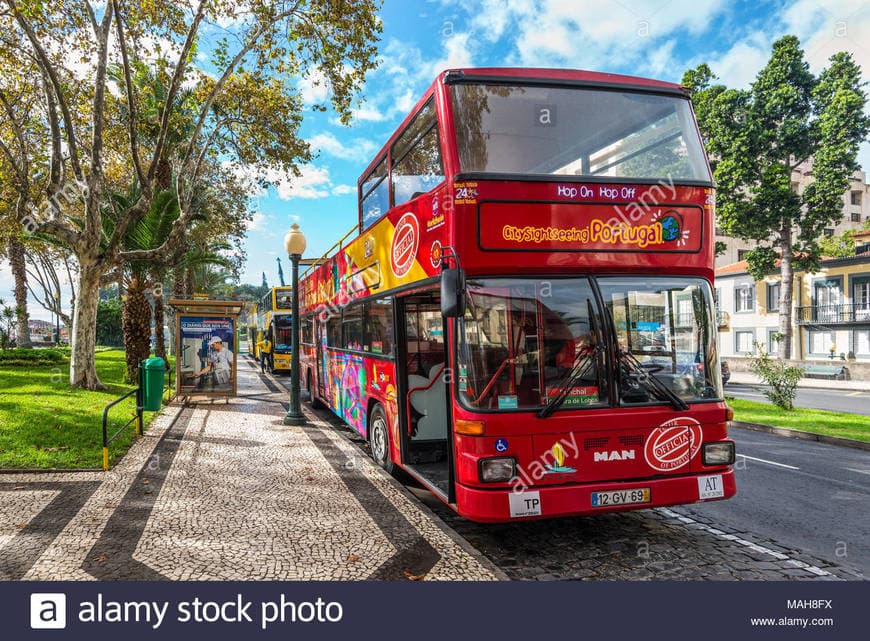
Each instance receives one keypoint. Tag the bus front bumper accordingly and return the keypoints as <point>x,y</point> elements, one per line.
<point>541,502</point>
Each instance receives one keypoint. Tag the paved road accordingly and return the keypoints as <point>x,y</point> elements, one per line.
<point>809,495</point>
<point>823,399</point>
<point>759,538</point>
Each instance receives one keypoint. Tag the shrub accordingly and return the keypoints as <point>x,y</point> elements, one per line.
<point>781,377</point>
<point>21,357</point>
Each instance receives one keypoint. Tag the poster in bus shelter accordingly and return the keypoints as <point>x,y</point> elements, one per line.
<point>206,354</point>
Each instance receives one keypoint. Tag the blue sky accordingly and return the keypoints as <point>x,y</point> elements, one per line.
<point>655,38</point>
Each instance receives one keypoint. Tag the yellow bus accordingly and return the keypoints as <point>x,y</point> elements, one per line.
<point>275,319</point>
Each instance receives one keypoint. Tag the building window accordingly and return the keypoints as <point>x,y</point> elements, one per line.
<point>717,297</point>
<point>744,298</point>
<point>828,232</point>
<point>856,218</point>
<point>773,341</point>
<point>821,342</point>
<point>827,297</point>
<point>744,341</point>
<point>856,198</point>
<point>773,297</point>
<point>862,342</point>
<point>741,253</point>
<point>861,298</point>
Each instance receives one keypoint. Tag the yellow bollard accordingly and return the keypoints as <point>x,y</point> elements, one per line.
<point>105,459</point>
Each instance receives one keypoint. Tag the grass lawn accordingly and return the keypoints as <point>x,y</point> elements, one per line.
<point>851,426</point>
<point>45,424</point>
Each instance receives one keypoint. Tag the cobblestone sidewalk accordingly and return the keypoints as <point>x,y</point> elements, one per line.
<point>226,491</point>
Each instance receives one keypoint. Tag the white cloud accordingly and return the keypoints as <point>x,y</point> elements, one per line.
<point>368,114</point>
<point>738,66</point>
<point>258,221</point>
<point>358,149</point>
<point>313,182</point>
<point>314,87</point>
<point>342,190</point>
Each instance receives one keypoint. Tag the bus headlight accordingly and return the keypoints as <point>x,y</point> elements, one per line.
<point>719,453</point>
<point>497,470</point>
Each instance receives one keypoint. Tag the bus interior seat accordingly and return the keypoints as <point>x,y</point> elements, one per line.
<point>431,404</point>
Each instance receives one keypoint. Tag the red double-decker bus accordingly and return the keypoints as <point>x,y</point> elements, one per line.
<point>523,318</point>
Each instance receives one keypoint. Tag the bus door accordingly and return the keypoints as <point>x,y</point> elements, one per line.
<point>422,359</point>
<point>320,347</point>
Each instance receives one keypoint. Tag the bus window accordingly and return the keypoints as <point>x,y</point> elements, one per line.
<point>576,132</point>
<point>375,195</point>
<point>379,327</point>
<point>527,341</point>
<point>283,300</point>
<point>416,156</point>
<point>352,327</point>
<point>333,331</point>
<point>306,331</point>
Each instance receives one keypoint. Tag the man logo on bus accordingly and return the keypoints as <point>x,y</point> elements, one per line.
<point>406,240</point>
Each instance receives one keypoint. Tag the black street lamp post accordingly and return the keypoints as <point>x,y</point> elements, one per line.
<point>294,243</point>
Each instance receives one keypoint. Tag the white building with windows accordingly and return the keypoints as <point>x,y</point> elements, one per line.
<point>856,212</point>
<point>831,310</point>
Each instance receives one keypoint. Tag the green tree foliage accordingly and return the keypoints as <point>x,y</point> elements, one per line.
<point>840,246</point>
<point>106,129</point>
<point>779,376</point>
<point>758,136</point>
<point>109,330</point>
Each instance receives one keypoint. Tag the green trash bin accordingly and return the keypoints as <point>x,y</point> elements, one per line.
<point>153,370</point>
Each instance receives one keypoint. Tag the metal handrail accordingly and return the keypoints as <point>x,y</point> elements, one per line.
<point>326,254</point>
<point>137,418</point>
<point>833,314</point>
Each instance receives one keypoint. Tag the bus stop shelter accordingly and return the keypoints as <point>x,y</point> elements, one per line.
<point>205,347</point>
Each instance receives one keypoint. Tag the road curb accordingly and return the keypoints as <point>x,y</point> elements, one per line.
<point>805,436</point>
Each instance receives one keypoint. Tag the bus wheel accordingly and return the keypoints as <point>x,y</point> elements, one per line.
<point>315,402</point>
<point>379,439</point>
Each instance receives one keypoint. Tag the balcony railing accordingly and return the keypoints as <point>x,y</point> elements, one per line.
<point>833,314</point>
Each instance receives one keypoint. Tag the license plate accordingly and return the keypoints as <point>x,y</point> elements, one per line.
<point>620,497</point>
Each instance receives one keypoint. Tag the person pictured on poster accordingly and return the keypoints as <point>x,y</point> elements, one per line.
<point>218,368</point>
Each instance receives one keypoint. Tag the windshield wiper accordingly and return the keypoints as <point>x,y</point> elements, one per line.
<point>645,379</point>
<point>583,363</point>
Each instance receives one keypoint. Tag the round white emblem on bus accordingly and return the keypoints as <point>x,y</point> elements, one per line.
<point>406,240</point>
<point>673,444</point>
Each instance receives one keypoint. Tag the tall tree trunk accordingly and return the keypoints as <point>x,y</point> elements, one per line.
<point>785,292</point>
<point>159,342</point>
<point>136,317</point>
<point>189,283</point>
<point>82,369</point>
<point>19,273</point>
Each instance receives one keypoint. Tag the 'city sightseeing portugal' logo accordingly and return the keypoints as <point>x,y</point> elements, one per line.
<point>405,242</point>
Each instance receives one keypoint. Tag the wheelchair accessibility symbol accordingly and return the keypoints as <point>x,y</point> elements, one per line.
<point>501,445</point>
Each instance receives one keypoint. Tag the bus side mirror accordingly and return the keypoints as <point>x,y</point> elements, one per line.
<point>452,292</point>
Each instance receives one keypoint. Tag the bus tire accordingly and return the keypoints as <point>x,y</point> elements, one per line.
<point>379,438</point>
<point>312,397</point>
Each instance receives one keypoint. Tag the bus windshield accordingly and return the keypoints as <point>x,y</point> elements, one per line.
<point>576,131</point>
<point>283,333</point>
<point>525,342</point>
